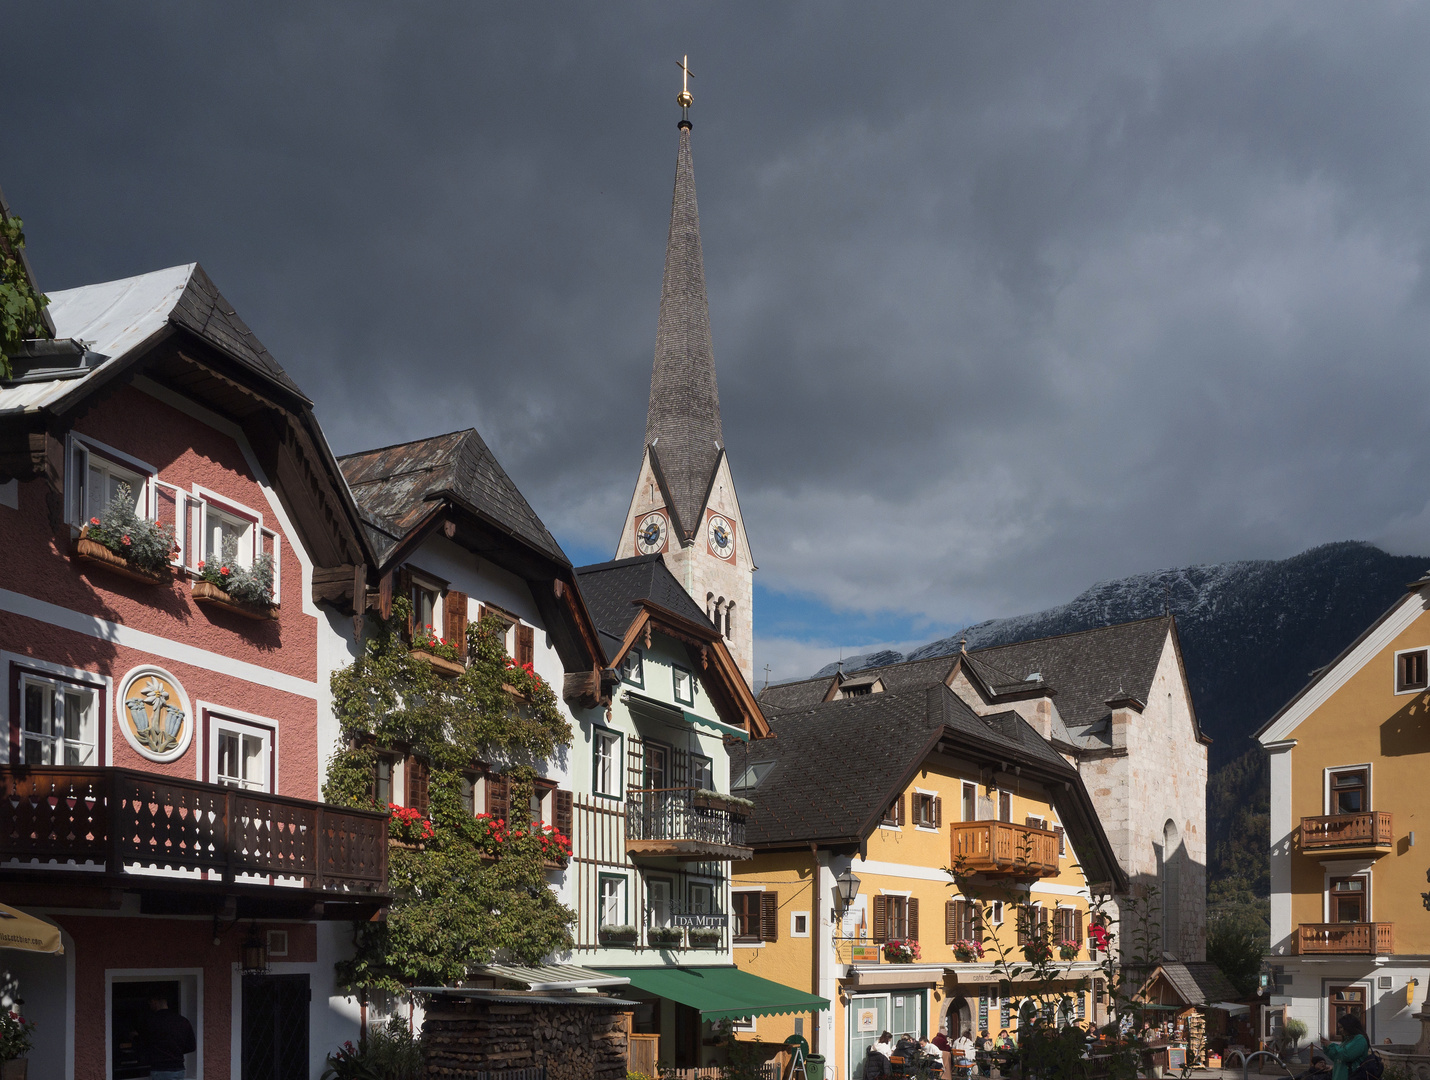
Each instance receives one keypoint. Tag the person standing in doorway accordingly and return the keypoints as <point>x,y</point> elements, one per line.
<point>165,1036</point>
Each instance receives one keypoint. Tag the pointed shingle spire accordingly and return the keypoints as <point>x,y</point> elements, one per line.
<point>683,421</point>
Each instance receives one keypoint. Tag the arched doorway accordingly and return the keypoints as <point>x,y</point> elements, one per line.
<point>958,1017</point>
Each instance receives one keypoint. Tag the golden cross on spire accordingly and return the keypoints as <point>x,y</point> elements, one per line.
<point>684,98</point>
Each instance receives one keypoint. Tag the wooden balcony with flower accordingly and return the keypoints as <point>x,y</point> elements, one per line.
<point>177,842</point>
<point>1371,833</point>
<point>1003,849</point>
<point>685,822</point>
<point>1346,939</point>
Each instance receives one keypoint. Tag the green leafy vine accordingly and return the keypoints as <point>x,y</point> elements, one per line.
<point>455,905</point>
<point>20,303</point>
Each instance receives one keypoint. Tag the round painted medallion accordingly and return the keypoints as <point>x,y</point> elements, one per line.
<point>154,714</point>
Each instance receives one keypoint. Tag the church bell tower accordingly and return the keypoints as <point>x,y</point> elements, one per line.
<point>684,506</point>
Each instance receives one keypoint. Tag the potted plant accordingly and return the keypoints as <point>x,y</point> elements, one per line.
<point>1038,951</point>
<point>244,590</point>
<point>968,951</point>
<point>903,951</point>
<point>665,936</point>
<point>1068,950</point>
<point>713,800</point>
<point>1294,1031</point>
<point>120,541</point>
<point>17,1035</point>
<point>705,937</point>
<point>436,651</point>
<point>619,934</point>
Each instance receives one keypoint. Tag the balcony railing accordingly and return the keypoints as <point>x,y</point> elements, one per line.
<point>1369,939</point>
<point>1360,831</point>
<point>116,821</point>
<point>680,821</point>
<point>1000,847</point>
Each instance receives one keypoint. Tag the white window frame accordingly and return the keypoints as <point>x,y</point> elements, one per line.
<point>1347,869</point>
<point>617,741</point>
<point>913,815</point>
<point>439,590</point>
<point>995,913</point>
<point>257,533</point>
<point>1369,768</point>
<point>242,724</point>
<point>638,683</point>
<point>79,448</point>
<point>676,671</point>
<point>794,916</point>
<point>696,770</point>
<point>1395,672</point>
<point>623,895</point>
<point>55,682</point>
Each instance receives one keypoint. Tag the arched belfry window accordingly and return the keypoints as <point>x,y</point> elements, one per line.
<point>1170,885</point>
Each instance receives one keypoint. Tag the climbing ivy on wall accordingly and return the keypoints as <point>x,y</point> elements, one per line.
<point>459,898</point>
<point>20,303</point>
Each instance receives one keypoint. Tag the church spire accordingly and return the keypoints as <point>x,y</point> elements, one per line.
<point>683,420</point>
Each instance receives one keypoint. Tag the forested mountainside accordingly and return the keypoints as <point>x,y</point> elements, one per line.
<point>1251,633</point>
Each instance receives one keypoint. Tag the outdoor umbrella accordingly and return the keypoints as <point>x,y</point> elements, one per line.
<point>21,931</point>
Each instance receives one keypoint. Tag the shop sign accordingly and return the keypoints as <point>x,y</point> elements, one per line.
<point>864,954</point>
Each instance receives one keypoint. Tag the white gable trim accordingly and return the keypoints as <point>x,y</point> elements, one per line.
<point>1394,624</point>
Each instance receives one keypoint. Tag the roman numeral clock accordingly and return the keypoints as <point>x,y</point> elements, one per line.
<point>720,535</point>
<point>651,532</point>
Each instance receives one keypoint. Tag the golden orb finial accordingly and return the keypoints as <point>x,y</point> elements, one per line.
<point>684,99</point>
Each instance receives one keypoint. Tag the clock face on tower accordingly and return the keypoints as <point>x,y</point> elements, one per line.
<point>721,535</point>
<point>650,534</point>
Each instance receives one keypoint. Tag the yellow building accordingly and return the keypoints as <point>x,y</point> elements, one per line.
<point>889,789</point>
<point>1348,754</point>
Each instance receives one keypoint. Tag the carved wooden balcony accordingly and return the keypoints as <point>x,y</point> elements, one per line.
<point>119,828</point>
<point>1347,939</point>
<point>1003,849</point>
<point>682,823</point>
<point>1370,833</point>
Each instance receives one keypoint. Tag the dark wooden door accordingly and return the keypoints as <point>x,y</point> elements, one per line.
<point>275,1027</point>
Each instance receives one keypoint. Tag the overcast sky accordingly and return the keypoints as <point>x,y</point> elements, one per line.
<point>1006,298</point>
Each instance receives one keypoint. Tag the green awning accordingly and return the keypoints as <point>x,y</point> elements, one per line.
<point>721,993</point>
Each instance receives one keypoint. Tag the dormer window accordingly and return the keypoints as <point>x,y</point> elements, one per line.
<point>633,669</point>
<point>752,776</point>
<point>97,475</point>
<point>1411,671</point>
<point>684,683</point>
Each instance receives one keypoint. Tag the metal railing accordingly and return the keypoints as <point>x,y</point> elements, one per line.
<point>1346,938</point>
<point>1000,847</point>
<point>681,815</point>
<point>110,820</point>
<point>1372,828</point>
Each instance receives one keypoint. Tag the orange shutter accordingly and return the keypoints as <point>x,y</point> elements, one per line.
<point>454,621</point>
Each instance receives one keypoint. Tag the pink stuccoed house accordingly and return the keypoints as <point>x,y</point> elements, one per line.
<point>164,738</point>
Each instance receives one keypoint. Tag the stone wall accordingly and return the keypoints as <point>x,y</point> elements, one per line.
<point>573,1042</point>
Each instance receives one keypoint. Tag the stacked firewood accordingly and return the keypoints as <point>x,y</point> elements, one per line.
<point>467,1039</point>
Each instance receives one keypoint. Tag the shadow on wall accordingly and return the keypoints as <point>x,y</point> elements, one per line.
<point>1408,730</point>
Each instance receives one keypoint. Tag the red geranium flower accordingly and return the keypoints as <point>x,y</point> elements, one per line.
<point>127,540</point>
<point>94,521</point>
<point>223,570</point>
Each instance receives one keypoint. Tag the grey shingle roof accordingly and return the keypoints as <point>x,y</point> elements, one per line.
<point>395,487</point>
<point>1088,668</point>
<point>794,695</point>
<point>202,309</point>
<point>610,589</point>
<point>683,421</point>
<point>1198,983</point>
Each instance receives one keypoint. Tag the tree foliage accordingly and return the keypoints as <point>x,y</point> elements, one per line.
<point>20,303</point>
<point>455,905</point>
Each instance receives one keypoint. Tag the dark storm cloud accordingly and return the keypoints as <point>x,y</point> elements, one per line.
<point>1005,298</point>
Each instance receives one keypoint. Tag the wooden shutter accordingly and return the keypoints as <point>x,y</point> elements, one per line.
<point>417,776</point>
<point>881,918</point>
<point>913,920</point>
<point>1077,927</point>
<point>563,813</point>
<point>525,644</point>
<point>1024,918</point>
<point>1062,839</point>
<point>498,795</point>
<point>951,921</point>
<point>899,817</point>
<point>1042,922</point>
<point>454,621</point>
<point>937,812</point>
<point>402,586</point>
<point>769,916</point>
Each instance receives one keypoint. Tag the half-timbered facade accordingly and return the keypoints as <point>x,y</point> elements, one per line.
<point>164,739</point>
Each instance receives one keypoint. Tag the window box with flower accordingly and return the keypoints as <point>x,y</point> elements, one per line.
<point>902,951</point>
<point>1068,950</point>
<point>436,652</point>
<point>408,828</point>
<point>665,937</point>
<point>705,937</point>
<point>967,951</point>
<point>17,1036</point>
<point>125,544</point>
<point>620,934</point>
<point>495,835</point>
<point>243,590</point>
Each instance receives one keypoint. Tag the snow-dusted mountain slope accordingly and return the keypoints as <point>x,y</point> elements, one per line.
<point>1251,631</point>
